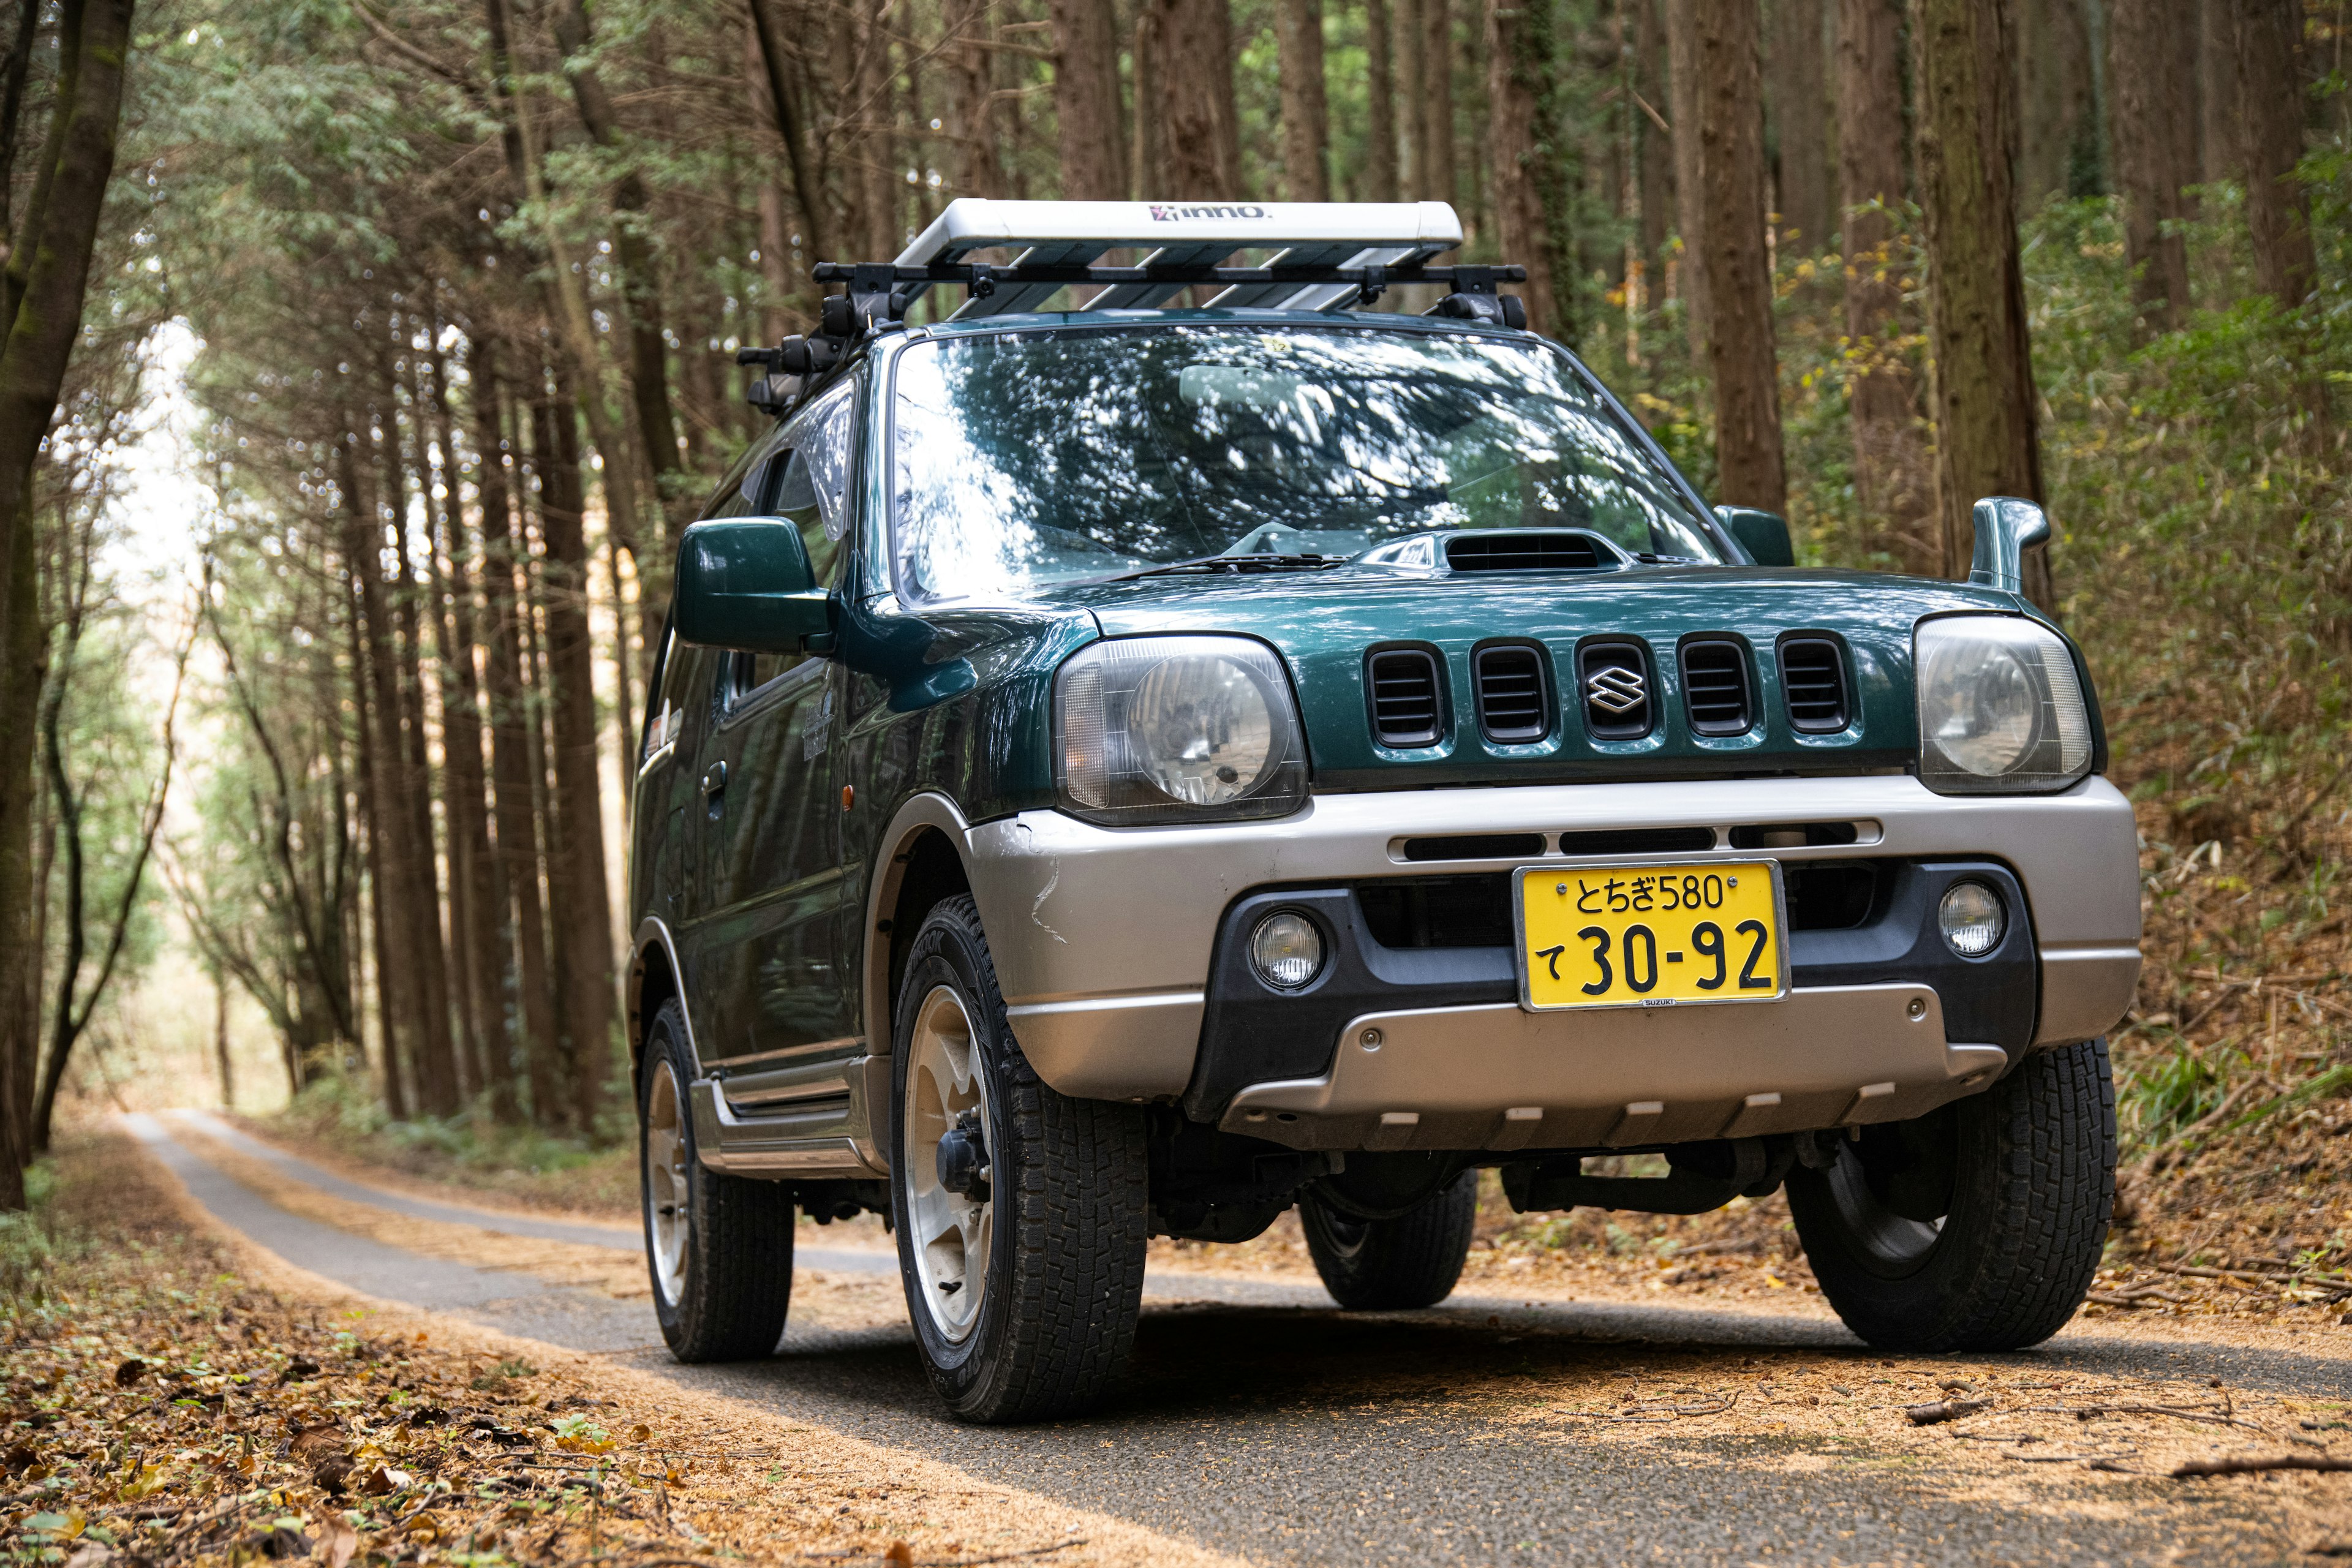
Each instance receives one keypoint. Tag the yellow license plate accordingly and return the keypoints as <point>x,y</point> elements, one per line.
<point>1650,936</point>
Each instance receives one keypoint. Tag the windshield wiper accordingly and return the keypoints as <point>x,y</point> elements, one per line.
<point>1267,563</point>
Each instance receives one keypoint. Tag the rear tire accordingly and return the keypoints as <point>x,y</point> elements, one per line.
<point>719,1248</point>
<point>1393,1265</point>
<point>2024,1176</point>
<point>1024,1278</point>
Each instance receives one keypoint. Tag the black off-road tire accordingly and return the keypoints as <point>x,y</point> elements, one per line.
<point>2032,1190</point>
<point>1064,1280</point>
<point>1393,1265</point>
<point>737,1284</point>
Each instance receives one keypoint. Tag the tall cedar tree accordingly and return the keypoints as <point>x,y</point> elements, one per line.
<point>1799,108</point>
<point>1740,351</point>
<point>1987,440</point>
<point>2058,131</point>
<point>1306,119</point>
<point>1690,197</point>
<point>1086,103</point>
<point>1193,72</point>
<point>1520,132</point>
<point>1380,105</point>
<point>1893,483</point>
<point>2153,99</point>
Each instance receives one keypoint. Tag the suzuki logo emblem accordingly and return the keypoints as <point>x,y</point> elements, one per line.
<point>1616,691</point>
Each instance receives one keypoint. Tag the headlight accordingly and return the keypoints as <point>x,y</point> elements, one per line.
<point>1177,729</point>
<point>2000,710</point>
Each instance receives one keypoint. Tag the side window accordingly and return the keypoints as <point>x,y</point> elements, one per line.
<point>673,677</point>
<point>815,490</point>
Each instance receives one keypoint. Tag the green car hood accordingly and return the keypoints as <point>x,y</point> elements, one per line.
<point>1324,624</point>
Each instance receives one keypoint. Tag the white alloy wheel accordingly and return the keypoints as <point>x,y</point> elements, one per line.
<point>951,1231</point>
<point>669,1195</point>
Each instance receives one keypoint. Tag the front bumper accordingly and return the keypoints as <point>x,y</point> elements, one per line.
<point>1104,939</point>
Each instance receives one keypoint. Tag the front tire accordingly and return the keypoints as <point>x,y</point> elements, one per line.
<point>1978,1227</point>
<point>1020,1213</point>
<point>1393,1265</point>
<point>719,1248</point>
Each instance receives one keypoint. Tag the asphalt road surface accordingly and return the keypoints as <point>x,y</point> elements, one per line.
<point>1260,1421</point>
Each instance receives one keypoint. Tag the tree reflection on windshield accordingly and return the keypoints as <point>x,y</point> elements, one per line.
<point>1029,457</point>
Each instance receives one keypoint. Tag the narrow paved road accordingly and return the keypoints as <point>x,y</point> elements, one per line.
<point>1261,1420</point>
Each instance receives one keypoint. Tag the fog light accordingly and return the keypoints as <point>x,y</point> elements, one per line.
<point>1286,951</point>
<point>1972,919</point>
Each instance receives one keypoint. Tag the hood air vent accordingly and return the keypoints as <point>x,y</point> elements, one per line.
<point>1612,685</point>
<point>1511,551</point>
<point>1402,682</point>
<point>1513,706</point>
<point>1714,687</point>
<point>1813,678</point>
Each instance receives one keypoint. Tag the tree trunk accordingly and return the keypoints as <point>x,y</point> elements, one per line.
<point>1740,349</point>
<point>641,304</point>
<point>1306,119</point>
<point>1086,112</point>
<point>1380,105</point>
<point>463,780</point>
<point>393,999</point>
<point>1193,63</point>
<point>2152,97</point>
<point>1521,137</point>
<point>1893,485</point>
<point>2221,142</point>
<point>503,554</point>
<point>792,122</point>
<point>1149,148</point>
<point>41,297</point>
<point>439,1088</point>
<point>1655,162</point>
<point>1987,442</point>
<point>1690,199</point>
<point>873,170</point>
<point>1413,156</point>
<point>220,1042</point>
<point>576,886</point>
<point>1799,105</point>
<point>1436,171</point>
<point>2058,152</point>
<point>2271,88</point>
<point>973,123</point>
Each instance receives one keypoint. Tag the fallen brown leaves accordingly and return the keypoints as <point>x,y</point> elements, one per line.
<point>158,1412</point>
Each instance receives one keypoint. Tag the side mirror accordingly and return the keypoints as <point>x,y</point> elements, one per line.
<point>2006,529</point>
<point>743,582</point>
<point>1763,534</point>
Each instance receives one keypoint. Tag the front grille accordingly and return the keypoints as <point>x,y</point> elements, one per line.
<point>1475,846</point>
<point>1480,552</point>
<point>1792,835</point>
<point>1714,687</point>
<point>1406,710</point>
<point>1638,841</point>
<point>1813,678</point>
<point>1513,706</point>
<point>1613,686</point>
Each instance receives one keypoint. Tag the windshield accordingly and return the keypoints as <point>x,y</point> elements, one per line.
<point>1024,459</point>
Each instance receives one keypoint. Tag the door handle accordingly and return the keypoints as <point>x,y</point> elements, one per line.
<point>716,779</point>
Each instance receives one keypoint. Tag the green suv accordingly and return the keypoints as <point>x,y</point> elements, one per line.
<point>1127,770</point>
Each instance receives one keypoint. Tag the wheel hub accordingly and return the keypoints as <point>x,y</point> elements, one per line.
<point>668,1213</point>
<point>951,1208</point>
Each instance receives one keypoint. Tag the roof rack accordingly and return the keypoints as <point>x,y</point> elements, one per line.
<point>1184,242</point>
<point>1328,256</point>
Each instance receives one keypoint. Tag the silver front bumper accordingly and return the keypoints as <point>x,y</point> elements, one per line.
<point>1102,936</point>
